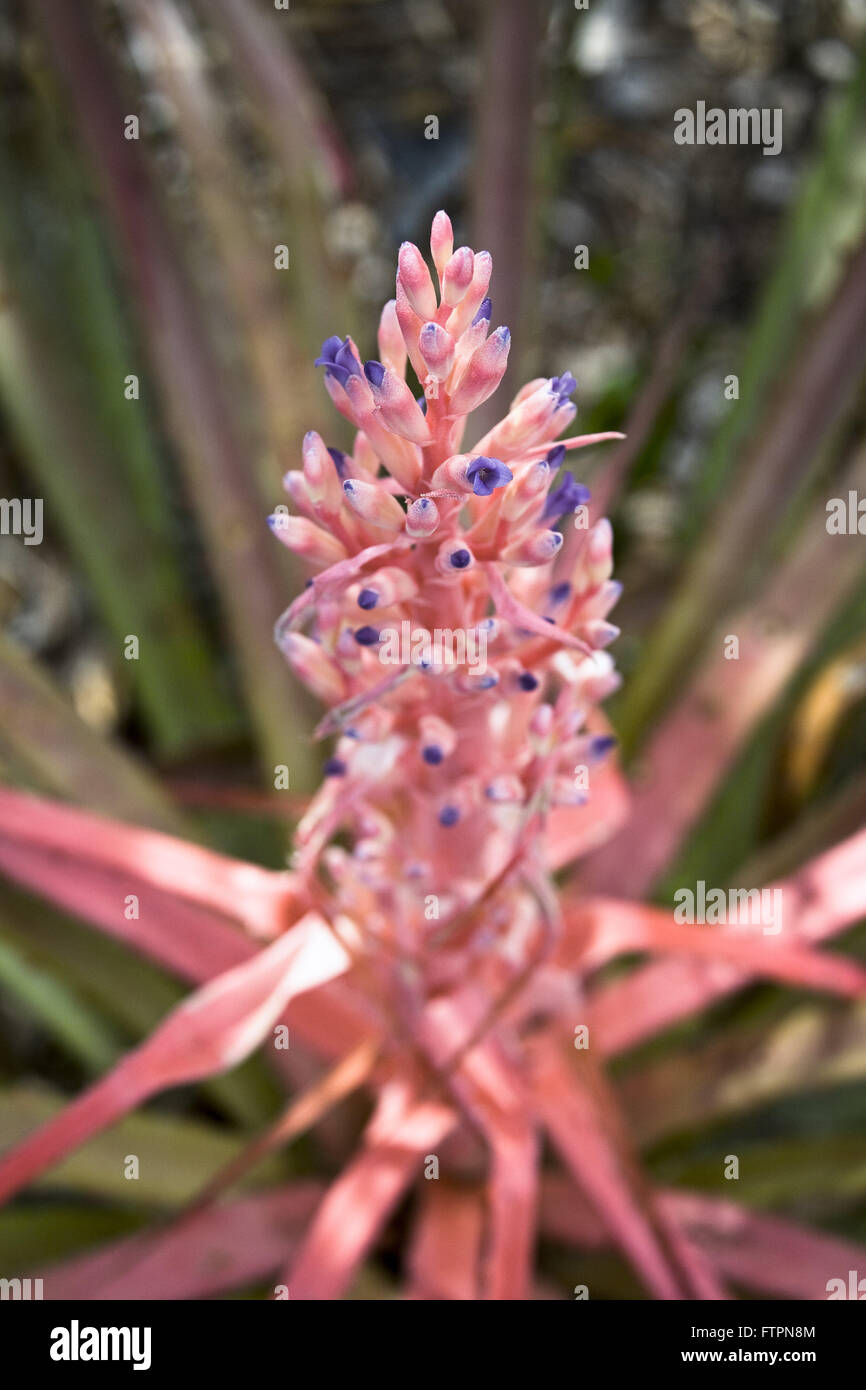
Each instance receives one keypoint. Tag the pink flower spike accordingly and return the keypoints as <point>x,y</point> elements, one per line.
<point>414,277</point>
<point>441,241</point>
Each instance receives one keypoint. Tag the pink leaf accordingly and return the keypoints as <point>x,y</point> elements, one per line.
<point>260,899</point>
<point>610,928</point>
<point>573,831</point>
<point>826,895</point>
<point>768,1253</point>
<point>358,1203</point>
<point>211,1031</point>
<point>576,1124</point>
<point>765,1252</point>
<point>489,1090</point>
<point>221,1248</point>
<point>445,1252</point>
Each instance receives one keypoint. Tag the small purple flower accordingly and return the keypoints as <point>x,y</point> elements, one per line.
<point>486,475</point>
<point>338,359</point>
<point>485,311</point>
<point>556,457</point>
<point>564,498</point>
<point>563,387</point>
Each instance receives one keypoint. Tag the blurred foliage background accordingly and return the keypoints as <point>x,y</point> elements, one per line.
<point>154,258</point>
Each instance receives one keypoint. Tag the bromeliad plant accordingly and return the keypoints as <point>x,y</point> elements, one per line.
<point>417,943</point>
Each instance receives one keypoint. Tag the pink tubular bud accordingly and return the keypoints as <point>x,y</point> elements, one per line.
<point>373,724</point>
<point>541,722</point>
<point>314,667</point>
<point>453,473</point>
<point>531,419</point>
<point>460,318</point>
<point>295,484</point>
<point>441,241</point>
<point>320,474</point>
<point>422,518</point>
<point>392,348</point>
<point>400,456</point>
<point>536,549</point>
<point>528,487</point>
<point>598,554</point>
<point>597,633</point>
<point>304,537</point>
<point>505,790</point>
<point>483,373</point>
<point>364,462</point>
<point>565,792</point>
<point>410,327</point>
<point>457,276</point>
<point>391,584</point>
<point>435,733</point>
<point>528,390</point>
<point>373,504</point>
<point>599,604</point>
<point>437,348</point>
<point>360,397</point>
<point>397,406</point>
<point>414,276</point>
<point>339,397</point>
<point>454,557</point>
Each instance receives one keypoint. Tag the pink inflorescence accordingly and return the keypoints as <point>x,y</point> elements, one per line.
<point>456,635</point>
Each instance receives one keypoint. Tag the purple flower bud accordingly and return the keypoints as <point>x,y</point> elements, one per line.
<point>601,745</point>
<point>556,456</point>
<point>367,636</point>
<point>334,767</point>
<point>564,498</point>
<point>338,359</point>
<point>485,311</point>
<point>563,387</point>
<point>448,816</point>
<point>368,598</point>
<point>433,754</point>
